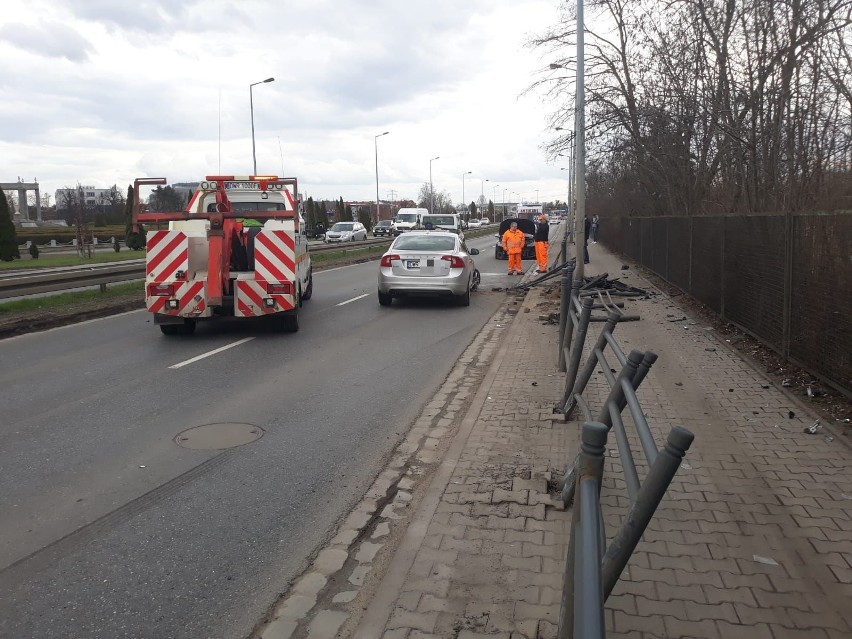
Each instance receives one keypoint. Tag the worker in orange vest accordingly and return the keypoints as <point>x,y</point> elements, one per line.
<point>542,236</point>
<point>513,243</point>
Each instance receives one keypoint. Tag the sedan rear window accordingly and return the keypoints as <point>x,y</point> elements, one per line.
<point>424,243</point>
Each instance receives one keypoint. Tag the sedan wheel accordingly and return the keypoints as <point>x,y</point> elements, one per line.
<point>385,299</point>
<point>464,300</point>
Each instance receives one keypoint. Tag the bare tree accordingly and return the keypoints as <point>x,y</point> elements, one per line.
<point>696,106</point>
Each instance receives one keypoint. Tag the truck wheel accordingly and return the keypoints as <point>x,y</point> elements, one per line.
<point>385,299</point>
<point>188,327</point>
<point>170,329</point>
<point>310,289</point>
<point>286,322</point>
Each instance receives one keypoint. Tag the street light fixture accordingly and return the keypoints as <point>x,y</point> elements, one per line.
<point>464,203</point>
<point>251,106</point>
<point>431,188</point>
<point>376,144</point>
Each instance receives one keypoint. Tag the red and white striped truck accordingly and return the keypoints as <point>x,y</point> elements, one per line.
<point>238,249</point>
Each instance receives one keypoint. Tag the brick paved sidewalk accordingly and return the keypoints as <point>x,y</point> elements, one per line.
<point>753,540</point>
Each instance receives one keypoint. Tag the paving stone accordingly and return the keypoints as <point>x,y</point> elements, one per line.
<point>326,624</point>
<point>330,561</point>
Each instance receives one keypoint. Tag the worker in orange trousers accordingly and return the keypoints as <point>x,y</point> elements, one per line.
<point>513,243</point>
<point>542,236</point>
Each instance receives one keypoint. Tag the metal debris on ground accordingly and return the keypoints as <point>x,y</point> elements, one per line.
<point>813,429</point>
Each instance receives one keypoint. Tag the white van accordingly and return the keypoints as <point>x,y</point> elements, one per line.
<point>408,220</point>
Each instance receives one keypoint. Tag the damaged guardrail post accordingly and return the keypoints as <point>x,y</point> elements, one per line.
<point>580,383</point>
<point>564,309</point>
<point>642,510</point>
<point>577,347</point>
<point>581,610</point>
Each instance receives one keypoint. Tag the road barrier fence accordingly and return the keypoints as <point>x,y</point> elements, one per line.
<point>594,566</point>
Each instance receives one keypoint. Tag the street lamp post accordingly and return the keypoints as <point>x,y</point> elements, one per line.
<point>251,107</point>
<point>431,188</point>
<point>464,203</point>
<point>503,204</point>
<point>493,200</point>
<point>579,163</point>
<point>376,144</point>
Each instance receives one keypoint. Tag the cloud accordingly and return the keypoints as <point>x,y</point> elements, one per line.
<point>53,40</point>
<point>164,78</point>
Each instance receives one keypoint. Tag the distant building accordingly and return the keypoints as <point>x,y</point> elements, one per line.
<point>93,197</point>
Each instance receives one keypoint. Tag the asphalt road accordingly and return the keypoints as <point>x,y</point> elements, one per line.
<point>108,528</point>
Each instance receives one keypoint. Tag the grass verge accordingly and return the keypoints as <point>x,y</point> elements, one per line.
<point>67,300</point>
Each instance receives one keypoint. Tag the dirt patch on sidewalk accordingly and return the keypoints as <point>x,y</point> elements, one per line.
<point>831,405</point>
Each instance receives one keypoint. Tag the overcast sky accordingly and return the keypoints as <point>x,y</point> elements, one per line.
<point>103,91</point>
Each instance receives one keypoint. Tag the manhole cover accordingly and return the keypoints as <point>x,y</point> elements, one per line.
<point>218,436</point>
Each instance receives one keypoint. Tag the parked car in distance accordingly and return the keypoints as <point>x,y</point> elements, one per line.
<point>433,263</point>
<point>315,233</point>
<point>474,224</point>
<point>528,228</point>
<point>346,232</point>
<point>484,221</point>
<point>382,228</point>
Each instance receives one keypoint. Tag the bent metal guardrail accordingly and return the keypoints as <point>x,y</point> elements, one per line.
<point>593,567</point>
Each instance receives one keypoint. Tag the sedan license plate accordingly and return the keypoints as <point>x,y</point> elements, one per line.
<point>412,263</point>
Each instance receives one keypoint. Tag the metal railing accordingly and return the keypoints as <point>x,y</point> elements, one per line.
<point>593,567</point>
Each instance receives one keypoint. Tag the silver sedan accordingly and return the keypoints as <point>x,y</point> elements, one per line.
<point>428,263</point>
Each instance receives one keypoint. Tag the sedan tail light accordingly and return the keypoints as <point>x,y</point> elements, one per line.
<point>454,260</point>
<point>161,290</point>
<point>387,259</point>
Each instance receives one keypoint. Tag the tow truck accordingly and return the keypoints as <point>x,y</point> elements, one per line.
<point>238,249</point>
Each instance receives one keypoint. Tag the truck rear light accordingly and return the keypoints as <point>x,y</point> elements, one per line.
<point>454,260</point>
<point>387,259</point>
<point>282,288</point>
<point>173,304</point>
<point>161,290</point>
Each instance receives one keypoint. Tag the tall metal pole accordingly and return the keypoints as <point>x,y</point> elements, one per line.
<point>493,201</point>
<point>376,144</point>
<point>580,147</point>
<point>431,188</point>
<point>503,205</point>
<point>463,200</point>
<point>251,107</point>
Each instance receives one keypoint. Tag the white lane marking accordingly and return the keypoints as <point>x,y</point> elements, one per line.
<point>213,352</point>
<point>353,299</point>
